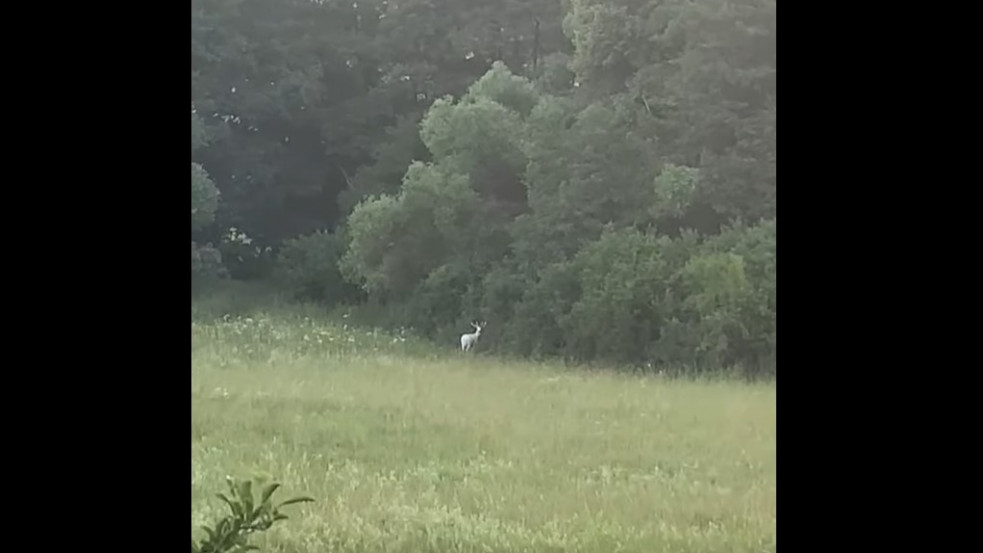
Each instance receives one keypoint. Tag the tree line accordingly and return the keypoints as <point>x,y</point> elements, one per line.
<point>595,178</point>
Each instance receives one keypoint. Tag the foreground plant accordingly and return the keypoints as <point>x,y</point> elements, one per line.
<point>248,516</point>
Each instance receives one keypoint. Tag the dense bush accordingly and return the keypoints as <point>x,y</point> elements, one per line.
<point>206,262</point>
<point>243,258</point>
<point>308,268</point>
<point>634,298</point>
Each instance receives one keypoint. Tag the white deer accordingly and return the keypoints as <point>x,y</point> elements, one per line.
<point>468,340</point>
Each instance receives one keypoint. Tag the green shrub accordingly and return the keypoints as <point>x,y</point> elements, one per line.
<point>246,516</point>
<point>625,278</point>
<point>206,264</point>
<point>307,267</point>
<point>638,299</point>
<point>243,258</point>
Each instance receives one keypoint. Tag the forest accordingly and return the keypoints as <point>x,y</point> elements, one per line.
<point>596,179</point>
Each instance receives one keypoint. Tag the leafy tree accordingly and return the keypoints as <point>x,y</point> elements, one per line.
<point>205,260</point>
<point>701,78</point>
<point>675,187</point>
<point>390,158</point>
<point>204,197</point>
<point>586,170</point>
<point>397,241</point>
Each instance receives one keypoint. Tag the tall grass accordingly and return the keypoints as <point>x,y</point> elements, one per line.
<point>409,449</point>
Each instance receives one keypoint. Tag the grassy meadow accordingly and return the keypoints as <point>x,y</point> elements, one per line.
<point>407,448</point>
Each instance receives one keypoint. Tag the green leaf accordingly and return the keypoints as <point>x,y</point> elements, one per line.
<point>246,493</point>
<point>234,506</point>
<point>297,500</point>
<point>268,492</point>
